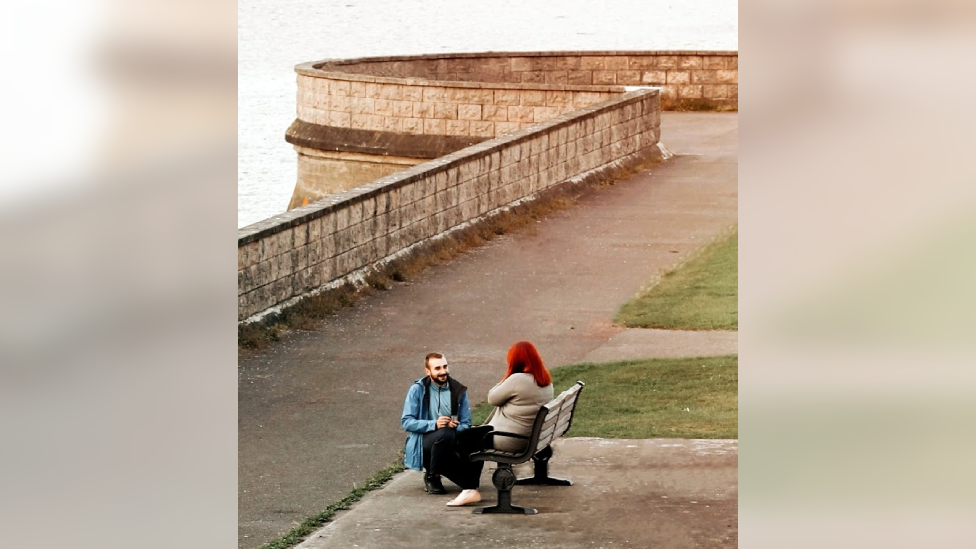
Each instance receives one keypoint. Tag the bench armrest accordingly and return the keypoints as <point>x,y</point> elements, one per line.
<point>499,456</point>
<point>505,434</point>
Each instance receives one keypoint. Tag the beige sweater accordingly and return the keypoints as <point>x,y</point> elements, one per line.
<point>517,400</point>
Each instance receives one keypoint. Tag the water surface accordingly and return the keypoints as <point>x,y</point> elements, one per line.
<point>274,36</point>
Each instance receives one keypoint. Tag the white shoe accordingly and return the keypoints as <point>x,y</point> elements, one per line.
<point>465,497</point>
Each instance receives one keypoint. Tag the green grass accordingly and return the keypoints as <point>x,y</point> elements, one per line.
<point>648,398</point>
<point>309,525</point>
<point>699,105</point>
<point>702,294</point>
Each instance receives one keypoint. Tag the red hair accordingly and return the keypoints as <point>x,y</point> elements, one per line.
<point>524,358</point>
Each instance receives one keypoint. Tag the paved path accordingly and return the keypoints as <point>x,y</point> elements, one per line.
<point>661,493</point>
<point>320,411</point>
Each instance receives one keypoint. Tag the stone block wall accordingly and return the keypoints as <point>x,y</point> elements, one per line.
<point>709,77</point>
<point>481,110</point>
<point>293,253</point>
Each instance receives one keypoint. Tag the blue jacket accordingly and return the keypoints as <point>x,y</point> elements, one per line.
<point>416,418</point>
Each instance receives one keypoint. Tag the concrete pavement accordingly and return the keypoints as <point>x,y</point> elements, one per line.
<point>319,411</point>
<point>661,493</point>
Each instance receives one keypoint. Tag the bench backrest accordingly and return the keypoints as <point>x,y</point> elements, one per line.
<point>554,418</point>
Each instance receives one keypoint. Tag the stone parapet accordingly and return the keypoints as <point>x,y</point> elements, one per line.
<point>490,94</point>
<point>294,253</point>
<point>420,107</point>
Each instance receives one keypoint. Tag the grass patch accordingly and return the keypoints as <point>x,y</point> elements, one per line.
<point>702,294</point>
<point>651,398</point>
<point>699,105</point>
<point>310,525</point>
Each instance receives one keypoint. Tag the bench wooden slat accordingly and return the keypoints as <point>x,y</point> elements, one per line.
<point>554,431</point>
<point>563,424</point>
<point>549,423</point>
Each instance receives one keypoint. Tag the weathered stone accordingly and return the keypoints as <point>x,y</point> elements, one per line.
<point>469,112</point>
<point>481,129</point>
<point>689,62</point>
<point>413,125</point>
<point>667,62</point>
<point>679,77</point>
<point>541,114</point>
<point>498,113</point>
<point>339,87</point>
<point>654,77</point>
<point>506,97</point>
<point>361,105</point>
<point>727,76</point>
<point>617,62</point>
<point>300,235</point>
<point>714,62</point>
<point>340,119</point>
<point>357,89</point>
<point>504,128</point>
<point>715,91</point>
<point>579,77</point>
<point>604,77</point>
<point>522,64</point>
<point>532,97</point>
<point>412,93</point>
<point>434,127</point>
<point>641,62</point>
<point>628,78</point>
<point>704,77</point>
<point>520,114</point>
<point>457,127</point>
<point>433,94</point>
<point>423,110</point>
<point>557,77</point>
<point>285,264</point>
<point>593,62</point>
<point>689,92</point>
<point>446,111</point>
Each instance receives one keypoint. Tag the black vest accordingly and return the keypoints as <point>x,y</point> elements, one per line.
<point>456,391</point>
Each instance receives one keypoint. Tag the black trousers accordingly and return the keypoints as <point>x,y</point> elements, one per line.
<point>446,453</point>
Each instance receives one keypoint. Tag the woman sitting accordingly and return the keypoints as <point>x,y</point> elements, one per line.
<point>526,387</point>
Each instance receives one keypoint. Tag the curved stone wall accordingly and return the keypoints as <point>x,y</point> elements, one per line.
<point>421,107</point>
<point>287,256</point>
<point>547,118</point>
<point>491,94</point>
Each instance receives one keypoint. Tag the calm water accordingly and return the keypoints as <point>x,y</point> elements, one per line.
<point>276,35</point>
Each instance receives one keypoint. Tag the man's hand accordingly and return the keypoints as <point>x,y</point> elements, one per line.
<point>444,421</point>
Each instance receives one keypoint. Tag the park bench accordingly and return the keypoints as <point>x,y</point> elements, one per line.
<point>552,421</point>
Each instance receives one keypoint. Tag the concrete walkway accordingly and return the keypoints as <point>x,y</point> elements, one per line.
<point>320,411</point>
<point>626,493</point>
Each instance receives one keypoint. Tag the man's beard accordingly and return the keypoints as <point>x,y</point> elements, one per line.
<point>441,379</point>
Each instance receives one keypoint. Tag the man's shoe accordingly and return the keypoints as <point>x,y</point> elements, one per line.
<point>432,484</point>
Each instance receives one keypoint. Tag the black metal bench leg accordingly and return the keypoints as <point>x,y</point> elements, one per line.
<point>541,477</point>
<point>504,480</point>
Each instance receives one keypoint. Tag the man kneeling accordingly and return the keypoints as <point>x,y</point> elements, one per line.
<point>435,412</point>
